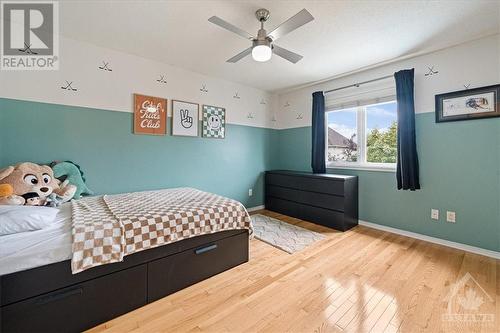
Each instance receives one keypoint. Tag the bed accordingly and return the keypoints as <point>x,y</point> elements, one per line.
<point>42,290</point>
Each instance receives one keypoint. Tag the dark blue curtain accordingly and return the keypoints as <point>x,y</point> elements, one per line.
<point>318,133</point>
<point>407,173</point>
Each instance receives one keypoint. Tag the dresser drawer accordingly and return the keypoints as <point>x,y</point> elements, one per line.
<point>328,186</point>
<point>173,273</point>
<point>322,200</point>
<point>78,307</point>
<point>282,206</point>
<point>326,217</point>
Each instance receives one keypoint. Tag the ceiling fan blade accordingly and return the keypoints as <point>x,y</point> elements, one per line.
<point>228,26</point>
<point>240,55</point>
<point>291,24</point>
<point>286,54</point>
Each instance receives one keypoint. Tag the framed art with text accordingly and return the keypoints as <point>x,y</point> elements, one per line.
<point>150,115</point>
<point>185,118</point>
<point>468,104</point>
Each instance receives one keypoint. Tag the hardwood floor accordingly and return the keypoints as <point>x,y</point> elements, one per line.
<point>363,280</point>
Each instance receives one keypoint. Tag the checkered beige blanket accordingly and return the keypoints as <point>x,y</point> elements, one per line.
<point>107,228</point>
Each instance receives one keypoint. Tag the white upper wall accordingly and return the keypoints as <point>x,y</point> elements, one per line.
<point>476,63</point>
<point>113,90</point>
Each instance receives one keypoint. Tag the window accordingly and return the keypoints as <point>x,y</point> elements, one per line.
<point>362,136</point>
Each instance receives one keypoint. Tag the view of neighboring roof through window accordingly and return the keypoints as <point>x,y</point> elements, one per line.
<point>364,136</point>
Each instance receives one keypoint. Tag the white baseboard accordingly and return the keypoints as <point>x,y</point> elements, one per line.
<point>253,209</point>
<point>455,245</point>
<point>430,239</point>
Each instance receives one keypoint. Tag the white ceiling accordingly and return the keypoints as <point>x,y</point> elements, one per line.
<point>345,35</point>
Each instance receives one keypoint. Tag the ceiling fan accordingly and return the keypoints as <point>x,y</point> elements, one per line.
<point>263,45</point>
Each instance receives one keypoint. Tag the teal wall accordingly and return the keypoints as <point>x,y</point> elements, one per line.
<point>2,139</point>
<point>459,171</point>
<point>460,164</point>
<point>115,160</point>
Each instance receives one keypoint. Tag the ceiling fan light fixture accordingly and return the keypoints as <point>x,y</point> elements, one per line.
<point>263,45</point>
<point>262,53</point>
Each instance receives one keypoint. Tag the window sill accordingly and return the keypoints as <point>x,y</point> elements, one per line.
<point>362,168</point>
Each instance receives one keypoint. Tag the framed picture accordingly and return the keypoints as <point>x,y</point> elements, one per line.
<point>185,118</point>
<point>150,115</point>
<point>468,104</point>
<point>214,122</point>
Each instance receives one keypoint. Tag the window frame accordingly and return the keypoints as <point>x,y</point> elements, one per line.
<point>361,163</point>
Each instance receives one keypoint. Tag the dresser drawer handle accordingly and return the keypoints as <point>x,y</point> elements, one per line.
<point>58,296</point>
<point>205,249</point>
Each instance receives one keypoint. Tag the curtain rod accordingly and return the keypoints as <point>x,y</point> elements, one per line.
<point>358,84</point>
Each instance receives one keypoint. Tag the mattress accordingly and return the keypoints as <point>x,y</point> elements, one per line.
<point>32,249</point>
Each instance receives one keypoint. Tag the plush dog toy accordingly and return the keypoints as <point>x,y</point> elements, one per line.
<point>34,183</point>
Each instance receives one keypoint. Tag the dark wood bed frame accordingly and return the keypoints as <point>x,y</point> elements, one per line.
<point>51,299</point>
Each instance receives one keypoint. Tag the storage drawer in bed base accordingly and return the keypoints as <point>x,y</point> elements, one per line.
<point>84,304</point>
<point>173,273</point>
<point>79,307</point>
<point>22,285</point>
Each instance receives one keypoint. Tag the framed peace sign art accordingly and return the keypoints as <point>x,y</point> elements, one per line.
<point>185,118</point>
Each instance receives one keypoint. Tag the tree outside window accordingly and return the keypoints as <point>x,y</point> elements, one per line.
<point>363,136</point>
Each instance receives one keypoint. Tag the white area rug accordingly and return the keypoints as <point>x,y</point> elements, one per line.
<point>282,235</point>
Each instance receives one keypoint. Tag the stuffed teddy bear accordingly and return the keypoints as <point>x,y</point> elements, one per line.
<point>34,183</point>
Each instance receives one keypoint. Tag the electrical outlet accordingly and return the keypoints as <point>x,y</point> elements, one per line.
<point>435,214</point>
<point>250,192</point>
<point>450,217</point>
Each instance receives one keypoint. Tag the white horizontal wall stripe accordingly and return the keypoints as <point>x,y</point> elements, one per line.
<point>113,90</point>
<point>475,63</point>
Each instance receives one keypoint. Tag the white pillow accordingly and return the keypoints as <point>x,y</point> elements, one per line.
<point>15,219</point>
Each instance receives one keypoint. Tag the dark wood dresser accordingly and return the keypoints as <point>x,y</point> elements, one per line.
<point>326,199</point>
